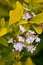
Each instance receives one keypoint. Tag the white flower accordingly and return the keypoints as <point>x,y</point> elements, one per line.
<point>10,40</point>
<point>18,46</point>
<point>21,28</point>
<point>32,32</point>
<point>26,9</point>
<point>20,39</point>
<point>30,40</point>
<point>26,16</point>
<point>33,14</point>
<point>37,39</point>
<point>31,49</point>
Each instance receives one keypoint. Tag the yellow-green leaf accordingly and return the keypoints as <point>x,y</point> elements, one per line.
<point>38,29</point>
<point>35,1</point>
<point>38,19</point>
<point>27,27</point>
<point>3,41</point>
<point>2,62</point>
<point>3,32</point>
<point>25,5</point>
<point>29,61</point>
<point>15,15</point>
<point>18,63</point>
<point>3,12</point>
<point>27,1</point>
<point>2,22</point>
<point>38,1</point>
<point>22,22</point>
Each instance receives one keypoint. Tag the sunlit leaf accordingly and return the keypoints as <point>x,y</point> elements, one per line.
<point>38,19</point>
<point>38,1</point>
<point>38,29</point>
<point>27,27</point>
<point>29,61</point>
<point>15,15</point>
<point>35,1</point>
<point>3,32</point>
<point>22,22</point>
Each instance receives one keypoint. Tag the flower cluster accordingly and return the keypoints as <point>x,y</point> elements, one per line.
<point>31,39</point>
<point>27,42</point>
<point>21,32</point>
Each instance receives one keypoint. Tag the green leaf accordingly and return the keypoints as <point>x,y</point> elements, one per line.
<point>3,12</point>
<point>27,1</point>
<point>37,29</point>
<point>36,8</point>
<point>3,41</point>
<point>2,62</point>
<point>8,60</point>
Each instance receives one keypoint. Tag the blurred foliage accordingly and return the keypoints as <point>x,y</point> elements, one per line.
<point>29,61</point>
<point>10,14</point>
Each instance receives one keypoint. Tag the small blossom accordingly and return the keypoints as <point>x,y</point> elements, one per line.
<point>10,40</point>
<point>21,28</point>
<point>26,16</point>
<point>32,32</point>
<point>20,39</point>
<point>37,39</point>
<point>31,49</point>
<point>30,40</point>
<point>18,46</point>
